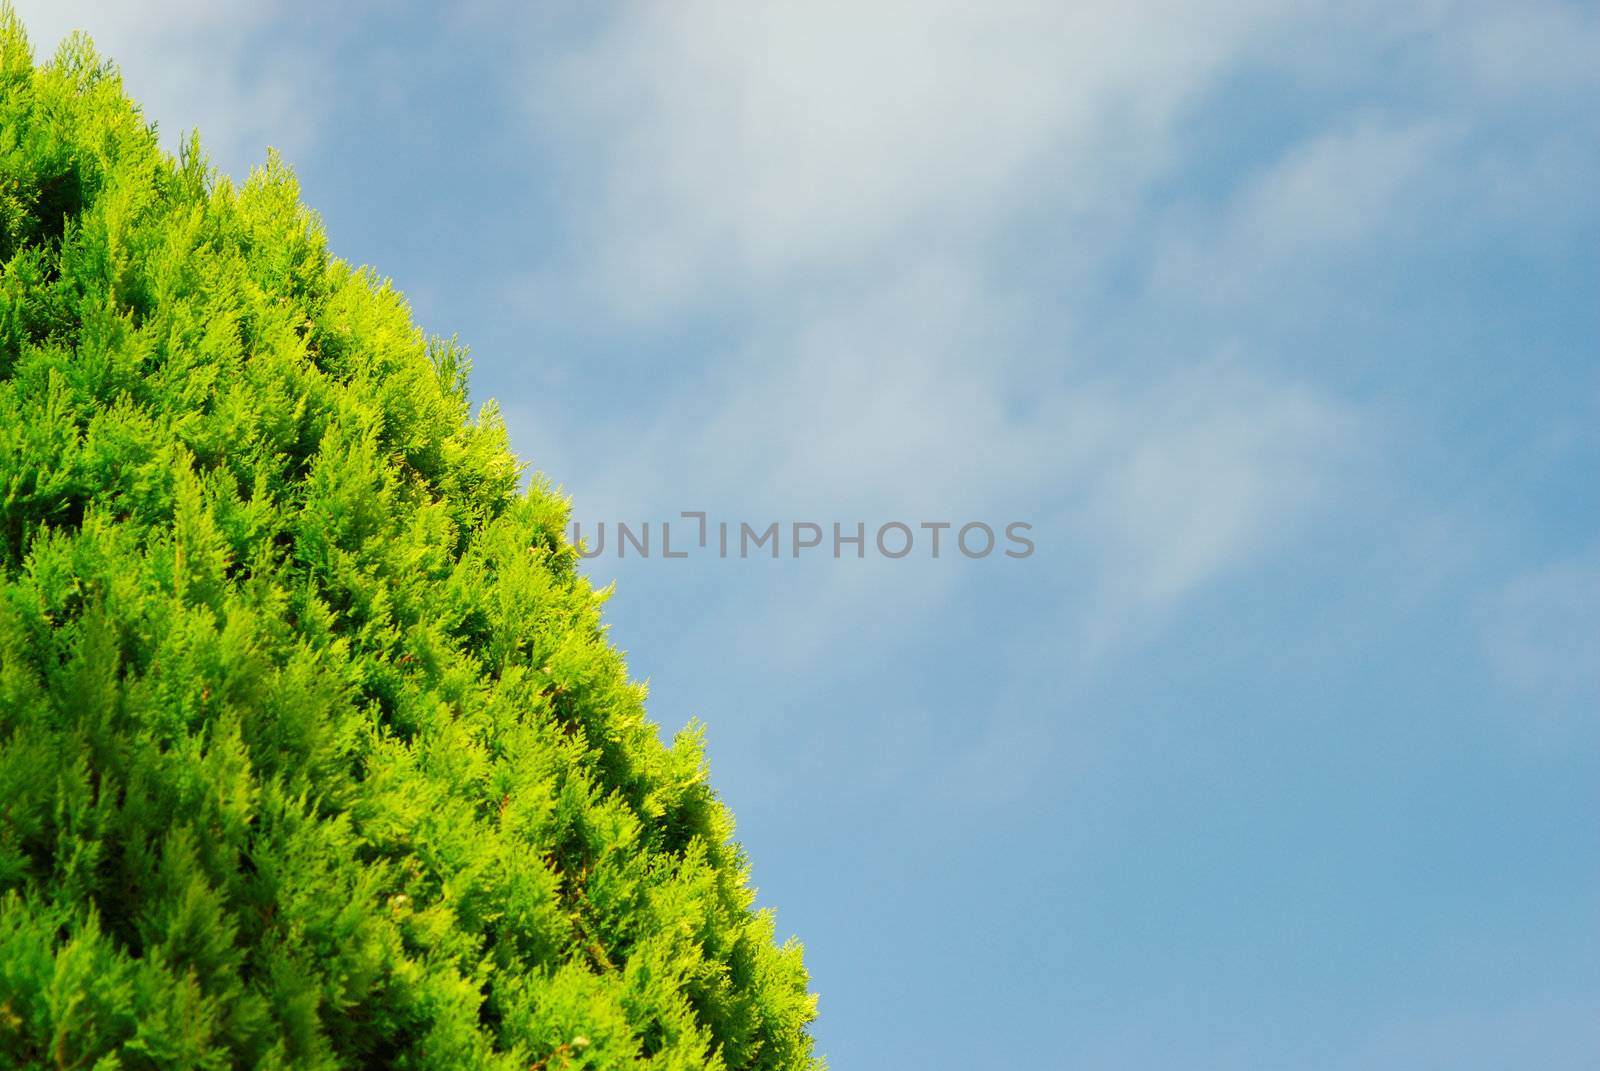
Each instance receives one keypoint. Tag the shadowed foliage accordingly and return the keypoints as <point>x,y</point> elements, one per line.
<point>313,752</point>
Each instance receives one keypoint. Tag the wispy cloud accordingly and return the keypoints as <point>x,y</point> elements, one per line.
<point>1541,634</point>
<point>1339,197</point>
<point>840,184</point>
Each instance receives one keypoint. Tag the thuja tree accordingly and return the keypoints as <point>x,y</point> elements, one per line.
<point>313,752</point>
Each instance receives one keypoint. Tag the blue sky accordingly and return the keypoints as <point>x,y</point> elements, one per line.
<point>1279,323</point>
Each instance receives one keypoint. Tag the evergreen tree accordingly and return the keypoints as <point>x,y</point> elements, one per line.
<point>313,752</point>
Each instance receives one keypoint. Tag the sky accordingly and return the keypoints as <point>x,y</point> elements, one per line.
<point>1277,322</point>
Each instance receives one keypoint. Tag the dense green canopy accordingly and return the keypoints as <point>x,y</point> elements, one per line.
<point>313,752</point>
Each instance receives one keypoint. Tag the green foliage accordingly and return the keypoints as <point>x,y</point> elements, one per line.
<point>313,752</point>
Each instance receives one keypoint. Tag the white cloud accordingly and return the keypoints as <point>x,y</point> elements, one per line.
<point>1541,634</point>
<point>760,143</point>
<point>1354,190</point>
<point>1222,463</point>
